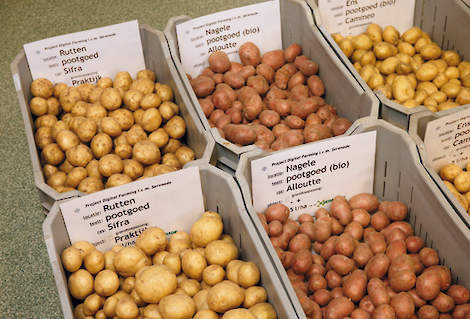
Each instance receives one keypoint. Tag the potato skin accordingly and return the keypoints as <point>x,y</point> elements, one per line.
<point>239,134</point>
<point>339,308</point>
<point>249,54</point>
<point>354,286</point>
<point>428,285</point>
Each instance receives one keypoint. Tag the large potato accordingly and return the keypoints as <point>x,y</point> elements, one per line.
<point>177,306</point>
<point>129,260</point>
<point>155,282</point>
<point>205,230</point>
<point>224,296</point>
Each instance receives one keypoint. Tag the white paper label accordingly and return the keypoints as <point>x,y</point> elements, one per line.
<point>117,216</point>
<point>87,56</point>
<point>310,176</point>
<point>227,31</point>
<point>352,17</point>
<point>447,140</point>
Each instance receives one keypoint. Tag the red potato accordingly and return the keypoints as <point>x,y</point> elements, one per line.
<point>355,229</point>
<point>293,276</point>
<point>306,66</point>
<point>304,107</point>
<point>248,71</point>
<point>403,305</point>
<point>443,303</point>
<point>336,227</point>
<point>418,265</point>
<point>235,66</point>
<point>394,210</point>
<point>202,85</point>
<point>400,263</point>
<point>321,297</point>
<point>235,115</point>
<point>395,234</point>
<point>281,106</point>
<point>340,126</point>
<point>259,83</point>
<point>274,59</point>
<point>368,202</point>
<point>377,266</point>
<point>315,85</point>
<point>414,244</point>
<point>321,212</point>
<point>337,292</point>
<point>379,220</point>
<point>239,134</point>
<point>290,68</point>
<point>328,248</point>
<point>222,121</point>
<point>302,261</point>
<point>345,245</point>
<point>333,279</point>
<point>384,312</point>
<point>269,118</point>
<point>278,212</point>
<point>249,54</point>
<point>287,259</point>
<point>307,304</point>
<point>396,248</point>
<point>340,264</point>
<point>290,228</point>
<point>404,226</point>
<point>362,254</point>
<point>275,93</point>
<point>279,129</point>
<point>376,242</point>
<point>329,122</point>
<point>444,274</point>
<point>361,216</point>
<point>218,78</point>
<point>299,242</point>
<point>245,93</point>
<point>265,71</point>
<point>253,105</point>
<point>281,78</point>
<point>288,139</point>
<point>296,79</point>
<point>428,312</point>
<point>280,253</point>
<point>292,52</point>
<point>341,210</point>
<point>308,229</point>
<point>377,292</point>
<point>232,95</point>
<point>403,280</point>
<point>416,298</point>
<point>305,218</point>
<point>326,112</point>
<point>360,314</point>
<point>313,119</point>
<point>459,293</point>
<point>298,92</point>
<point>294,122</point>
<point>215,115</point>
<point>221,99</point>
<point>367,305</point>
<point>318,260</point>
<point>300,285</point>
<point>461,311</point>
<point>234,79</point>
<point>338,308</point>
<point>428,256</point>
<point>263,134</point>
<point>316,269</point>
<point>316,282</point>
<point>208,72</point>
<point>428,285</point>
<point>207,106</point>
<point>219,62</point>
<point>275,228</point>
<point>278,242</point>
<point>354,286</point>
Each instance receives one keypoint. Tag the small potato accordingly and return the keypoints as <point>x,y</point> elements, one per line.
<point>172,146</point>
<point>451,89</point>
<point>132,99</point>
<point>101,144</point>
<point>159,137</point>
<point>451,57</point>
<point>87,130</point>
<point>428,285</point>
<point>42,87</point>
<point>106,283</point>
<point>220,252</point>
<point>111,98</point>
<point>75,176</point>
<point>80,284</point>
<point>402,88</point>
<point>117,180</point>
<point>110,164</point>
<point>71,259</point>
<point>254,295</point>
<point>430,51</point>
<point>175,127</point>
<point>146,152</point>
<point>224,296</point>
<point>354,286</point>
<point>184,155</point>
<point>249,54</point>
<point>151,119</point>
<point>263,311</point>
<point>374,31</point>
<point>390,35</point>
<point>340,307</point>
<point>346,45</point>
<point>462,182</point>
<point>406,48</point>
<point>412,35</point>
<point>292,52</point>
<point>362,42</point>
<point>464,96</point>
<point>306,66</point>
<point>202,86</point>
<point>90,185</point>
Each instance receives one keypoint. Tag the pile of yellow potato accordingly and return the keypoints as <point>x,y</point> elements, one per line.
<point>410,68</point>
<point>457,181</point>
<point>195,275</point>
<point>108,134</point>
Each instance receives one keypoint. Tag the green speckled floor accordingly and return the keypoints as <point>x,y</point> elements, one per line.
<point>27,288</point>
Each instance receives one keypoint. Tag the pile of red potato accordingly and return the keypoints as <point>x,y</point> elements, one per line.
<point>272,100</point>
<point>366,263</point>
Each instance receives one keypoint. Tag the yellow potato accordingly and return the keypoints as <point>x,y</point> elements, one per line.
<point>254,295</point>
<point>346,45</point>
<point>402,88</point>
<point>462,182</point>
<point>463,97</point>
<point>117,180</point>
<point>451,89</point>
<point>449,172</point>
<point>106,283</point>
<point>177,306</point>
<point>80,284</point>
<point>132,99</point>
<point>362,42</point>
<point>90,185</point>
<point>263,310</point>
<point>427,72</point>
<point>451,57</point>
<point>42,87</point>
<point>205,230</point>
<point>430,51</point>
<point>374,31</point>
<point>390,35</point>
<point>412,35</point>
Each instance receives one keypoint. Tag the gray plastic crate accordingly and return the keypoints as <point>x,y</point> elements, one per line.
<point>399,176</point>
<point>443,20</point>
<point>236,223</point>
<point>349,98</point>
<point>417,131</point>
<point>157,58</point>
